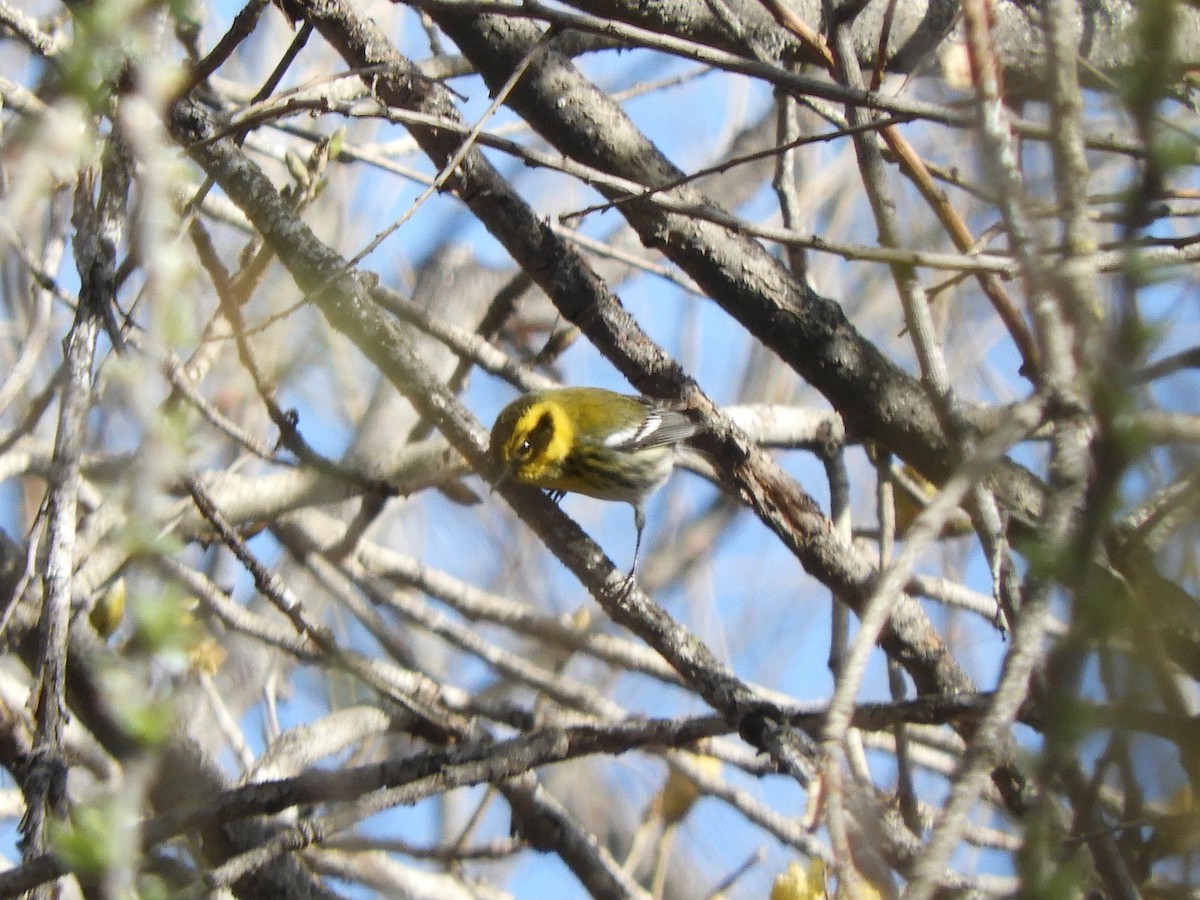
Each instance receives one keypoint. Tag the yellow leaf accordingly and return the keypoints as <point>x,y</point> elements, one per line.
<point>797,883</point>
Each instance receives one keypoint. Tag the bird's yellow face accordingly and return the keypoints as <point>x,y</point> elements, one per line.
<point>530,441</point>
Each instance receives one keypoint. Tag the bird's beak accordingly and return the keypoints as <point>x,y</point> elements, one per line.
<point>505,475</point>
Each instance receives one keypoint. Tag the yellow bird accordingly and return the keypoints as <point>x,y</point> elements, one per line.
<point>591,441</point>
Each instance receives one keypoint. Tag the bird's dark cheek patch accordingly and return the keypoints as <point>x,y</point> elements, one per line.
<point>541,434</point>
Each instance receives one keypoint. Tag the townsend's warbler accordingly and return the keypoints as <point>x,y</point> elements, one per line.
<point>590,441</point>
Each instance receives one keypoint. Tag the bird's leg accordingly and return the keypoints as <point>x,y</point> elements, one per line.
<point>639,522</point>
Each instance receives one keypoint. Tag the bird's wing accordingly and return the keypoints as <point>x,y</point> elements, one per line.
<point>660,427</point>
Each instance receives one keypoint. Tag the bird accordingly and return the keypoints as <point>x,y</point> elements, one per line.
<point>591,441</point>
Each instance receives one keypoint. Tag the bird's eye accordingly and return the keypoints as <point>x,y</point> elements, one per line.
<point>535,439</point>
